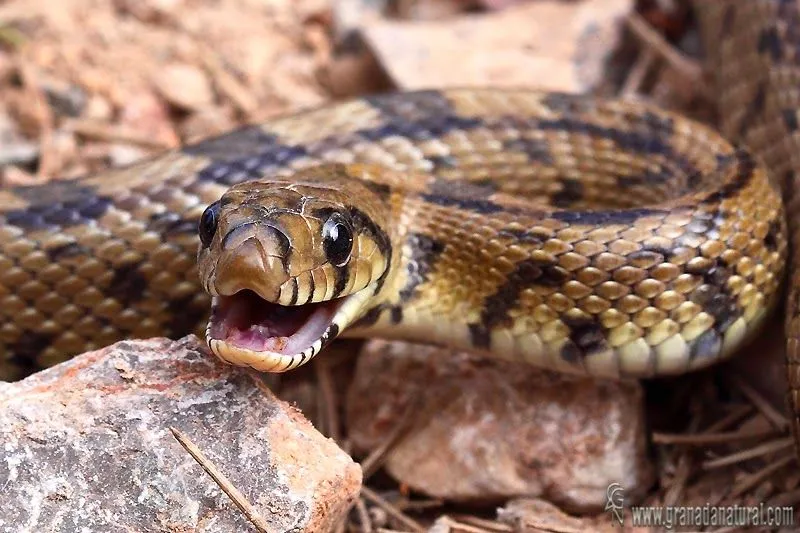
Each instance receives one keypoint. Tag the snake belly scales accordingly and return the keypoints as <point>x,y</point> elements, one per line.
<point>583,235</point>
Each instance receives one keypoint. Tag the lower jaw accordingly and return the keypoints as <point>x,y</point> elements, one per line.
<point>263,361</point>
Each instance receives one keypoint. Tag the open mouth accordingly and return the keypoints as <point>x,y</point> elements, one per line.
<point>246,330</point>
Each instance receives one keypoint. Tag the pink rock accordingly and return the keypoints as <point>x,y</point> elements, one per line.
<point>490,430</point>
<point>547,44</point>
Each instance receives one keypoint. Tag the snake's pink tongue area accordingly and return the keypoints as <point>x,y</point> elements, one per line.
<point>246,321</point>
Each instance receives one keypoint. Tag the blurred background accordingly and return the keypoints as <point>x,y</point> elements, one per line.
<point>85,84</point>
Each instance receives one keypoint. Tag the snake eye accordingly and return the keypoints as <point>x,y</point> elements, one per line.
<point>208,224</point>
<point>337,240</point>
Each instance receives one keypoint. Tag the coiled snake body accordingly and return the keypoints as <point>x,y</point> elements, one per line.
<point>601,237</point>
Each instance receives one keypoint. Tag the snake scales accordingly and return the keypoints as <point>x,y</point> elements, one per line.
<point>591,236</point>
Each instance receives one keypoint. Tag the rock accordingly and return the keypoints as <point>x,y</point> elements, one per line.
<point>153,11</point>
<point>64,99</point>
<point>206,123</point>
<point>489,430</point>
<point>497,4</point>
<point>14,148</point>
<point>350,15</point>
<point>98,108</point>
<point>125,154</point>
<point>147,115</point>
<point>354,74</point>
<point>184,86</point>
<point>432,9</point>
<point>87,447</point>
<point>19,153</point>
<point>539,515</point>
<point>548,44</point>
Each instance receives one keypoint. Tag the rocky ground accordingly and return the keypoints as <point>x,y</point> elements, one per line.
<point>443,442</point>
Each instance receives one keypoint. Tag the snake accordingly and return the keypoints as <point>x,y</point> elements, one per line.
<point>581,234</point>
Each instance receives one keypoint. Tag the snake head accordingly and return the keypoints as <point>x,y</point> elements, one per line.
<point>290,263</point>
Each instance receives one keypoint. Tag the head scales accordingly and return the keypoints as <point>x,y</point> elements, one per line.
<point>282,254</point>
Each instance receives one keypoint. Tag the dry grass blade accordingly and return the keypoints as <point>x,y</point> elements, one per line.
<point>393,511</point>
<point>374,460</point>
<point>791,498</point>
<point>219,478</point>
<point>677,488</point>
<point>703,439</point>
<point>330,402</point>
<point>485,525</point>
<point>363,516</point>
<point>737,414</point>
<point>104,132</point>
<point>773,415</point>
<point>743,455</point>
<point>653,40</point>
<point>635,78</point>
<point>750,481</point>
<point>455,526</point>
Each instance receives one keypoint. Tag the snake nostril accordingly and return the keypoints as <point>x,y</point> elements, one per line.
<point>208,223</point>
<point>250,266</point>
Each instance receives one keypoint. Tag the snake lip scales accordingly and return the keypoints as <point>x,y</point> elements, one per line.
<point>247,330</point>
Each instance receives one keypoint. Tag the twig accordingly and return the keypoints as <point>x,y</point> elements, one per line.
<point>743,455</point>
<point>454,525</point>
<point>487,525</point>
<point>760,403</point>
<point>702,439</point>
<point>104,132</point>
<point>375,459</point>
<point>419,505</point>
<point>676,59</point>
<point>683,471</point>
<point>737,413</point>
<point>787,498</point>
<point>330,403</point>
<point>635,78</point>
<point>395,513</point>
<point>363,516</point>
<point>750,481</point>
<point>219,478</point>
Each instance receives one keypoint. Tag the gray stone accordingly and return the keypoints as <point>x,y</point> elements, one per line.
<point>87,447</point>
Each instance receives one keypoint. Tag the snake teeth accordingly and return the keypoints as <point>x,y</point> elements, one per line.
<point>245,330</point>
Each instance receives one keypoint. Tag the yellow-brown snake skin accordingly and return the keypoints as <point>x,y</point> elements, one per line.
<point>600,237</point>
